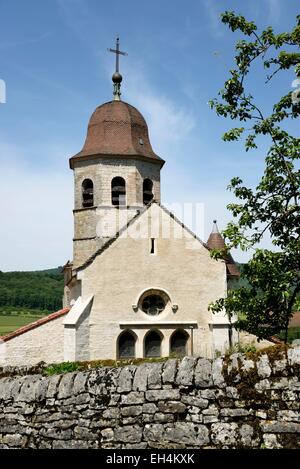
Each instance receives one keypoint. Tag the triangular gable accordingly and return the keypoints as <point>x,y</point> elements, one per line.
<point>130,225</point>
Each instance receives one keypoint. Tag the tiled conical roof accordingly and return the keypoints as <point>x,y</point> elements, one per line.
<point>216,241</point>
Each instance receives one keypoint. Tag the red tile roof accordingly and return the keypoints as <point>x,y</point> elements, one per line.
<point>34,325</point>
<point>295,320</point>
<point>216,241</point>
<point>117,129</point>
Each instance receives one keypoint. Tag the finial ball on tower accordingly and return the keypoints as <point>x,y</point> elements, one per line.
<point>117,77</point>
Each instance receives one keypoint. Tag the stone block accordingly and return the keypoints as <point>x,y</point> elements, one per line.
<point>141,377</point>
<point>173,407</point>
<point>111,413</point>
<point>163,395</point>
<point>188,433</point>
<point>126,379</point>
<point>263,367</point>
<point>133,398</point>
<point>53,384</point>
<point>155,376</point>
<point>203,373</point>
<point>195,401</point>
<point>132,411</point>
<point>280,427</point>
<point>80,381</point>
<point>149,408</point>
<point>107,434</point>
<point>163,418</point>
<point>185,373</point>
<point>128,434</point>
<point>169,371</point>
<point>224,435</point>
<point>217,373</point>
<point>234,412</point>
<point>154,432</point>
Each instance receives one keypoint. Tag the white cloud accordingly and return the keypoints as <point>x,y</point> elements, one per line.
<point>168,122</point>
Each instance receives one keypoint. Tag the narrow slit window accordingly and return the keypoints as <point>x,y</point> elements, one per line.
<point>152,249</point>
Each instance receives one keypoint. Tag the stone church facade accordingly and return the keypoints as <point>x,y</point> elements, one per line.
<point>140,282</point>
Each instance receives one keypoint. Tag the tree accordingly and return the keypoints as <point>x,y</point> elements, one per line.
<point>266,304</point>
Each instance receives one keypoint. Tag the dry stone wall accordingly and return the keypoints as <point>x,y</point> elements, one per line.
<point>233,402</point>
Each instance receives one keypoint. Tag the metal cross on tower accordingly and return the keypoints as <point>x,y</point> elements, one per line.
<point>117,77</point>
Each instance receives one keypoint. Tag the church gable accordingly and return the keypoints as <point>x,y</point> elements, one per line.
<point>158,225</point>
<point>156,276</point>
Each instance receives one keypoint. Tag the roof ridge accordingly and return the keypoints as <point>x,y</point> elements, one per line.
<point>112,239</point>
<point>34,325</point>
<point>124,228</point>
<point>183,225</point>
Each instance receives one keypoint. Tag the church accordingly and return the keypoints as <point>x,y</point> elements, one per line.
<point>140,281</point>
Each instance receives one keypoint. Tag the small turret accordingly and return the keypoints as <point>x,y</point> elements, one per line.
<point>216,241</point>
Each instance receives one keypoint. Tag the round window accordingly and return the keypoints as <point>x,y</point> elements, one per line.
<point>153,305</point>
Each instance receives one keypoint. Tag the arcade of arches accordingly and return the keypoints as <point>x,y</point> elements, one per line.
<point>152,341</point>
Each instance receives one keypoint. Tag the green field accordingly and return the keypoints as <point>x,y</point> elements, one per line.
<point>11,323</point>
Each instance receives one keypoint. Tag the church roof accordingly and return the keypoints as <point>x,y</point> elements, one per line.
<point>34,325</point>
<point>216,241</point>
<point>117,129</point>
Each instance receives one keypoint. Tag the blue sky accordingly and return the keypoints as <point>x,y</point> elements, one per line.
<point>57,70</point>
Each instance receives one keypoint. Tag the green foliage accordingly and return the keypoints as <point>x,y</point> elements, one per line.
<point>68,367</point>
<point>41,290</point>
<point>240,348</point>
<point>267,300</point>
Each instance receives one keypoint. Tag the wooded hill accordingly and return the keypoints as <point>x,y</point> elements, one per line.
<point>39,290</point>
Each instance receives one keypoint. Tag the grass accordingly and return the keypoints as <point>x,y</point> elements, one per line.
<point>68,367</point>
<point>10,323</point>
<point>22,311</point>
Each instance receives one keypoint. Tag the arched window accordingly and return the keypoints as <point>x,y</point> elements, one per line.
<point>147,191</point>
<point>87,193</point>
<point>178,345</point>
<point>126,345</point>
<point>153,344</point>
<point>118,191</point>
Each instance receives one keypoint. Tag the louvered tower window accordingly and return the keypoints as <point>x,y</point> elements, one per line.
<point>118,191</point>
<point>87,193</point>
<point>147,191</point>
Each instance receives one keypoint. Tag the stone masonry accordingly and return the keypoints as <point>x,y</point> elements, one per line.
<point>234,402</point>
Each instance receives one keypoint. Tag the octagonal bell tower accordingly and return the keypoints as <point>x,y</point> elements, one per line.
<point>116,174</point>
